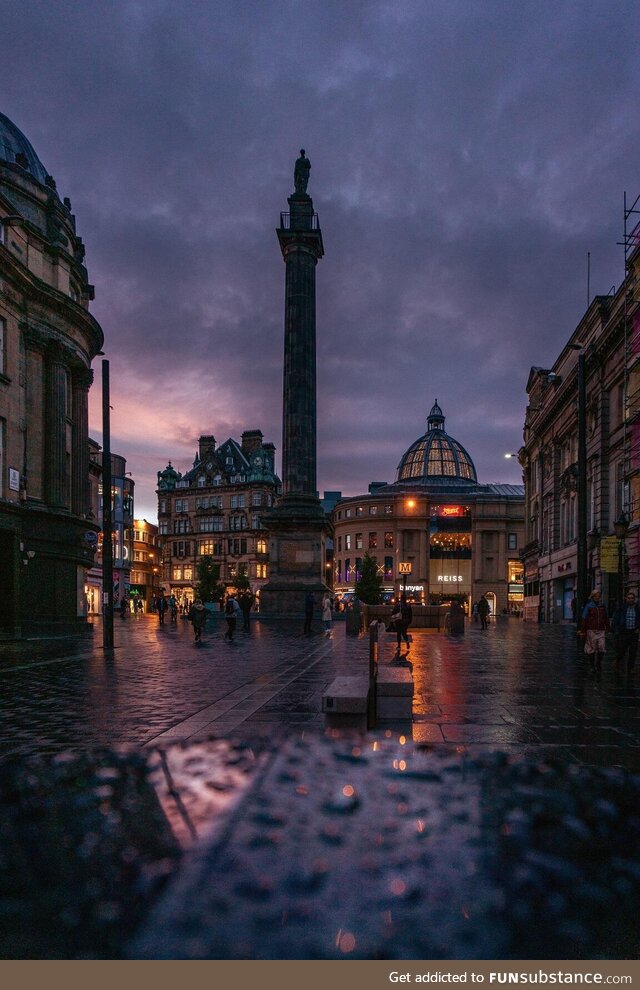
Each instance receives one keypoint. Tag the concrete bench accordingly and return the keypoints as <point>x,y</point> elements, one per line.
<point>345,702</point>
<point>346,695</point>
<point>394,694</point>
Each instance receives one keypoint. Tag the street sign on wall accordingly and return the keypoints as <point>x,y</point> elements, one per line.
<point>609,554</point>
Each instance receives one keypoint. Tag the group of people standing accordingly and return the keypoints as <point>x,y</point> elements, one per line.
<point>594,624</point>
<point>127,606</point>
<point>197,613</point>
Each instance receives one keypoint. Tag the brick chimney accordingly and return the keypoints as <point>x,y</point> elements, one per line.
<point>251,441</point>
<point>206,446</point>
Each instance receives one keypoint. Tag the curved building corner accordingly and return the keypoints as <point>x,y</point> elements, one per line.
<point>48,340</point>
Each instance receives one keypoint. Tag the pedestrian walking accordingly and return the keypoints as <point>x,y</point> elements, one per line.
<point>245,602</point>
<point>474,611</point>
<point>626,627</point>
<point>401,618</point>
<point>231,612</point>
<point>124,608</point>
<point>309,603</point>
<point>198,616</point>
<point>594,624</point>
<point>161,607</point>
<point>326,615</point>
<point>173,608</point>
<point>484,610</point>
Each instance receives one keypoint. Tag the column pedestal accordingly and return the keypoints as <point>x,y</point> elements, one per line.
<point>297,528</point>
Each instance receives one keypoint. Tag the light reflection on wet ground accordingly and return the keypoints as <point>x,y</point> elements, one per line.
<point>520,688</point>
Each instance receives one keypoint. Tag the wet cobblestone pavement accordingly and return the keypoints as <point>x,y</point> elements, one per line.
<point>518,688</point>
<point>502,822</point>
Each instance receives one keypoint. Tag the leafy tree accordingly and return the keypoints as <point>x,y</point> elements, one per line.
<point>209,588</point>
<point>242,583</point>
<point>369,585</point>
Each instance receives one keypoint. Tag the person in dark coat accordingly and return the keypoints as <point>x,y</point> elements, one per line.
<point>484,610</point>
<point>626,627</point>
<point>401,618</point>
<point>197,617</point>
<point>161,607</point>
<point>231,612</point>
<point>309,603</point>
<point>245,601</point>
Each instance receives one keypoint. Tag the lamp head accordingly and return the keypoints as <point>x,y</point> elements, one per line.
<point>620,526</point>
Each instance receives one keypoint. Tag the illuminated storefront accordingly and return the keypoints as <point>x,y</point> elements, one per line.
<point>435,531</point>
<point>122,537</point>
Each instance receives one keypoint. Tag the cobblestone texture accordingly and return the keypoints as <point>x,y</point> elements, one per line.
<point>502,823</point>
<point>519,688</point>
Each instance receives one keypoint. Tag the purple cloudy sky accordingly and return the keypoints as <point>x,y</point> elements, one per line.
<point>465,158</point>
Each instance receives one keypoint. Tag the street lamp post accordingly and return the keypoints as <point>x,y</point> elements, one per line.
<point>581,565</point>
<point>620,527</point>
<point>593,538</point>
<point>107,515</point>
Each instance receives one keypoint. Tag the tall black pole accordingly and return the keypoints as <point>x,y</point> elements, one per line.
<point>582,590</point>
<point>620,596</point>
<point>107,522</point>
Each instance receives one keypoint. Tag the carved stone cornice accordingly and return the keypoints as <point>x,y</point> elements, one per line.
<point>34,339</point>
<point>42,294</point>
<point>37,336</point>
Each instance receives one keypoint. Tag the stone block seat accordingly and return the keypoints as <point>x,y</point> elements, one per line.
<point>394,693</point>
<point>344,702</point>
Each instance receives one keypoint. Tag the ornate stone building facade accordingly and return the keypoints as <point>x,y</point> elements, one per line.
<point>608,337</point>
<point>47,342</point>
<point>215,510</point>
<point>146,564</point>
<point>123,535</point>
<point>435,531</point>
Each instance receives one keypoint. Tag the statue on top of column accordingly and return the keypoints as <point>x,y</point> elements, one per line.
<point>301,172</point>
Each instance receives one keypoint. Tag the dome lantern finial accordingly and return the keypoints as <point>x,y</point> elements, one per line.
<point>435,419</point>
<point>436,457</point>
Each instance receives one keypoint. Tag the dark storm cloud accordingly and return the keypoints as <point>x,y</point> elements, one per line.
<point>465,157</point>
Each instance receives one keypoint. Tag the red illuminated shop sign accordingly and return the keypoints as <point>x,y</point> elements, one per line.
<point>451,510</point>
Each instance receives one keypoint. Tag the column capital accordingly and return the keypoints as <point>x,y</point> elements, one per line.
<point>82,378</point>
<point>57,353</point>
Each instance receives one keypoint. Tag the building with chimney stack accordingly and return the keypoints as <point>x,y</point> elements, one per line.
<point>214,510</point>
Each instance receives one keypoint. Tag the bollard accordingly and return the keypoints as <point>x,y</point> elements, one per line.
<point>353,620</point>
<point>456,619</point>
<point>374,630</point>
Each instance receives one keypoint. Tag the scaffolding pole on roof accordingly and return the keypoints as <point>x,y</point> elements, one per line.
<point>630,242</point>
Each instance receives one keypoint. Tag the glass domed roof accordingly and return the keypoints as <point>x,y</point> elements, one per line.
<point>13,143</point>
<point>436,456</point>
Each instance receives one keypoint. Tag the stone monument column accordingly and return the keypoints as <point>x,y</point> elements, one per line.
<point>297,525</point>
